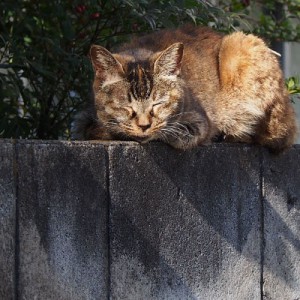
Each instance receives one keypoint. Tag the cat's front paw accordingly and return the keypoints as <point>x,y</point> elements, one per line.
<point>186,134</point>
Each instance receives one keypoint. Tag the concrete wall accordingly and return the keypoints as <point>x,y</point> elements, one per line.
<point>122,221</point>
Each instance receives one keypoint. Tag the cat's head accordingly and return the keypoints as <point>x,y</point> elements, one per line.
<point>136,97</point>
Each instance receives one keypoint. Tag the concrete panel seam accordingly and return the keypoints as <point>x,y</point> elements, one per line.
<point>262,220</point>
<point>17,243</point>
<point>107,169</point>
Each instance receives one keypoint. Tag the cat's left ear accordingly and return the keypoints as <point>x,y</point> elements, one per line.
<point>168,62</point>
<point>107,68</point>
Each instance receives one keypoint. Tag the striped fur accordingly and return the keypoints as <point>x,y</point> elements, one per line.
<point>140,78</point>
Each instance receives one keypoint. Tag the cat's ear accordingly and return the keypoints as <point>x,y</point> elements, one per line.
<point>168,62</point>
<point>107,68</point>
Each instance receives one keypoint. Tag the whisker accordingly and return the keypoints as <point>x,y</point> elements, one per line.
<point>162,136</point>
<point>181,114</point>
<point>170,132</point>
<point>179,129</point>
<point>182,130</point>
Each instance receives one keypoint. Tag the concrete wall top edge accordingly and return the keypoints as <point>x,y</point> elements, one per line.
<point>125,143</point>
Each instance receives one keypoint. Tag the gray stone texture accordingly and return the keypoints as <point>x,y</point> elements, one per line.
<point>63,216</point>
<point>117,220</point>
<point>282,225</point>
<point>185,225</point>
<point>7,220</point>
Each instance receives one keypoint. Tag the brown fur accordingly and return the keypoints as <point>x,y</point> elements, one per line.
<point>152,89</point>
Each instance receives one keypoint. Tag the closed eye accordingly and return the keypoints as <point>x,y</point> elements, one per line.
<point>159,103</point>
<point>156,105</point>
<point>132,113</point>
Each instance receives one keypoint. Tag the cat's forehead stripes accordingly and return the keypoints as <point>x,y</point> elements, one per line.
<point>141,80</point>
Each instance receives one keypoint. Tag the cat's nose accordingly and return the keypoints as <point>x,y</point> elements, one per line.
<point>144,127</point>
<point>143,122</point>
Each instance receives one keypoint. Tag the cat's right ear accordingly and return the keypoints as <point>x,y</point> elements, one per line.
<point>107,68</point>
<point>168,62</point>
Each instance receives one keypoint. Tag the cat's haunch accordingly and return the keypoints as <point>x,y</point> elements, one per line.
<point>187,86</point>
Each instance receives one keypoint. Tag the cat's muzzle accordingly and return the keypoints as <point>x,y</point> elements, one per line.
<point>141,139</point>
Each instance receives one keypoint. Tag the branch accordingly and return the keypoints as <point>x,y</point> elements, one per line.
<point>13,66</point>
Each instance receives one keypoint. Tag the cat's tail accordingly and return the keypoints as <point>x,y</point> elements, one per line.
<point>278,131</point>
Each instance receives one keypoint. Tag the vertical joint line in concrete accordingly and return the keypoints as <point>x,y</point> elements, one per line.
<point>262,221</point>
<point>107,170</point>
<point>17,234</point>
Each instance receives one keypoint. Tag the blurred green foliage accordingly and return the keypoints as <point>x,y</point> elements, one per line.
<point>45,74</point>
<point>293,86</point>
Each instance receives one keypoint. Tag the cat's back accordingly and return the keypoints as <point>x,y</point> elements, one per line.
<point>193,38</point>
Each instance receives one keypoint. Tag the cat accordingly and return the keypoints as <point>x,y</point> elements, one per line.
<point>187,87</point>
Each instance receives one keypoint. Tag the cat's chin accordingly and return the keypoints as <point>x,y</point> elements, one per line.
<point>142,139</point>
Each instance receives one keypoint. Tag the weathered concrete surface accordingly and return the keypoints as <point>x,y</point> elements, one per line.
<point>7,221</point>
<point>117,220</point>
<point>63,221</point>
<point>185,225</point>
<point>282,225</point>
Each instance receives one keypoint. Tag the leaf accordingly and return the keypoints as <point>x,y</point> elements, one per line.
<point>41,70</point>
<point>291,83</point>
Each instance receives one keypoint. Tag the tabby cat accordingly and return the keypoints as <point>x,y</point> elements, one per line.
<point>186,87</point>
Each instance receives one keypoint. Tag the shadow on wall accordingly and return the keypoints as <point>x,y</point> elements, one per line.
<point>132,220</point>
<point>63,217</point>
<point>196,208</point>
<point>282,222</point>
